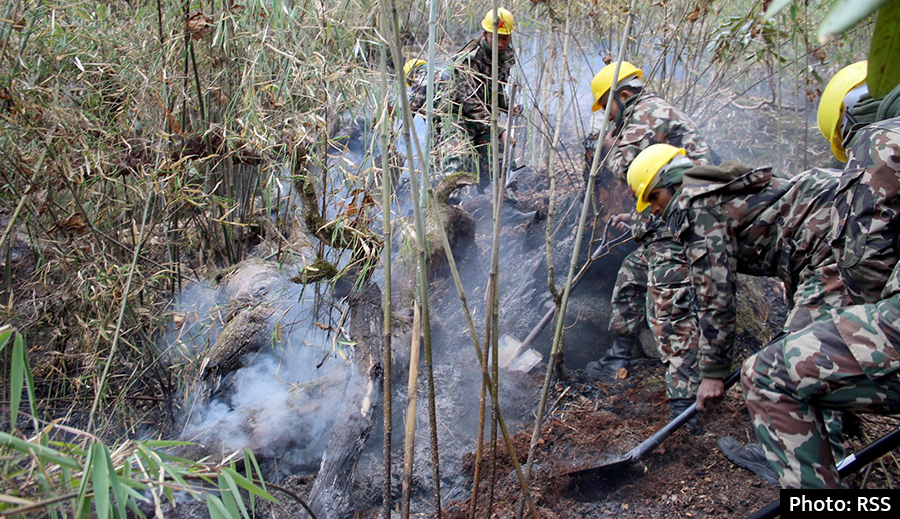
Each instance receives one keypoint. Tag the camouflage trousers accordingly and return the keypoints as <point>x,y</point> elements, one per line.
<point>458,152</point>
<point>672,317</point>
<point>866,219</point>
<point>819,289</point>
<point>792,383</point>
<point>629,297</point>
<point>653,284</point>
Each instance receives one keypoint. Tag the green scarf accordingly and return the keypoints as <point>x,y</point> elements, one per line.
<point>868,110</point>
<point>865,111</point>
<point>890,105</point>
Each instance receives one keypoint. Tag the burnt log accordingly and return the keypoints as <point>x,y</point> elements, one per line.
<point>331,494</point>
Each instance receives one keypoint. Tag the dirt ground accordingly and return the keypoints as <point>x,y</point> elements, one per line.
<point>685,477</point>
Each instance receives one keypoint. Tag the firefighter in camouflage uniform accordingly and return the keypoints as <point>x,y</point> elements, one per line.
<point>850,361</point>
<point>464,137</point>
<point>416,73</point>
<point>734,219</point>
<point>653,283</point>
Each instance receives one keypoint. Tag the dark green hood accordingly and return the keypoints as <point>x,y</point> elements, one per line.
<point>729,175</point>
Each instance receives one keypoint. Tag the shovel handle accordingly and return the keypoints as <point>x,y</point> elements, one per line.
<point>653,442</point>
<point>848,465</point>
<point>529,341</point>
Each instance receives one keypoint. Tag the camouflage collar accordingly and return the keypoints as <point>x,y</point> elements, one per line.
<point>486,49</point>
<point>705,180</point>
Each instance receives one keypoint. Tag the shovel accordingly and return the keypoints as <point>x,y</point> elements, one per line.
<point>512,348</point>
<point>612,466</point>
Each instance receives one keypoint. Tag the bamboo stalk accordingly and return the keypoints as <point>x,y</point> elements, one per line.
<point>412,389</point>
<point>796,84</point>
<point>806,86</point>
<point>549,241</point>
<point>479,441</point>
<point>112,350</point>
<point>421,263</point>
<point>429,94</point>
<point>492,300</point>
<point>386,262</point>
<point>470,323</point>
<point>780,144</point>
<point>561,313</point>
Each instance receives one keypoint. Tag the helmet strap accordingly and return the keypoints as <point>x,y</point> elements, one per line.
<point>620,117</point>
<point>638,89</point>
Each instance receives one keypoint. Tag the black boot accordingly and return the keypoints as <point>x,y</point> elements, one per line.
<point>680,405</point>
<point>750,457</point>
<point>617,356</point>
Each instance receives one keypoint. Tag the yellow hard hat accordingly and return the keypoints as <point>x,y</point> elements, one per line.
<point>504,26</point>
<point>602,82</point>
<point>646,166</point>
<point>410,66</point>
<point>831,107</point>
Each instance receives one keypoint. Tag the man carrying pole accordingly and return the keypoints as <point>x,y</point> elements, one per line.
<point>464,111</point>
<point>653,282</point>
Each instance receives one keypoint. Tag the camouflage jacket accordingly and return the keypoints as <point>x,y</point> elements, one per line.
<point>468,98</point>
<point>654,120</point>
<point>870,200</point>
<point>419,89</point>
<point>755,224</point>
<point>651,120</point>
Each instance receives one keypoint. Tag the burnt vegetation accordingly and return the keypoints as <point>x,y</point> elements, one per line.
<point>191,203</point>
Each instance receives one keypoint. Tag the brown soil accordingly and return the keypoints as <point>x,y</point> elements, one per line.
<point>686,477</point>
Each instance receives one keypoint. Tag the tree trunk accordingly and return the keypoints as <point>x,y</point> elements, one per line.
<point>331,493</point>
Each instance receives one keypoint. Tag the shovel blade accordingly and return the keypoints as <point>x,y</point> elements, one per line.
<point>510,348</point>
<point>514,356</point>
<point>597,479</point>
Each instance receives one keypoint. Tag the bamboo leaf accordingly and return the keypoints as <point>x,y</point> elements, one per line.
<point>235,493</point>
<point>132,505</point>
<point>29,385</point>
<point>16,381</point>
<point>161,444</point>
<point>216,508</point>
<point>118,489</point>
<point>83,506</point>
<point>884,67</point>
<point>5,334</point>
<point>47,454</point>
<point>845,15</point>
<point>4,498</point>
<point>100,464</point>
<point>228,498</point>
<point>174,474</point>
<point>130,483</point>
<point>248,485</point>
<point>145,447</point>
<point>776,7</point>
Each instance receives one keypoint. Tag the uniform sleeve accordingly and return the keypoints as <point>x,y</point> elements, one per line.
<point>475,114</point>
<point>710,250</point>
<point>684,134</point>
<point>647,125</point>
<point>632,142</point>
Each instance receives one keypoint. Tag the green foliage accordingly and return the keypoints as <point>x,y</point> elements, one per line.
<point>93,481</point>
<point>884,68</point>
<point>884,65</point>
<point>842,16</point>
<point>847,14</point>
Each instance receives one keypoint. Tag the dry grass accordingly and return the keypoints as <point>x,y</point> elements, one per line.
<point>144,145</point>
